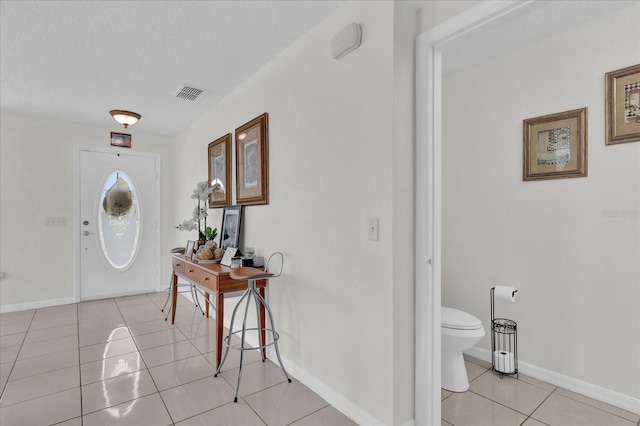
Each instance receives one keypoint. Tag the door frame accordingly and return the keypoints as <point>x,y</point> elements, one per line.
<point>76,209</point>
<point>428,220</point>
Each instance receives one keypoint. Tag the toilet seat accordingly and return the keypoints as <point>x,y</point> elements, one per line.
<point>459,320</point>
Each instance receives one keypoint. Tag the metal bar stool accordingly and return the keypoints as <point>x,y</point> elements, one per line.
<point>252,275</point>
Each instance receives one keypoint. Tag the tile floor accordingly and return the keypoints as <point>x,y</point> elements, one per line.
<point>525,401</point>
<point>117,362</point>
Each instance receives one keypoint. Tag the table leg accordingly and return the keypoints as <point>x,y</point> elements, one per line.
<point>219,326</point>
<point>174,298</point>
<point>206,296</point>
<point>264,324</point>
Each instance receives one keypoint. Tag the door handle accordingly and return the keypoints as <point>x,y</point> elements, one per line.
<point>87,233</point>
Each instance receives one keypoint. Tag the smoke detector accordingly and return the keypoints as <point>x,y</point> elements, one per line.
<point>188,92</point>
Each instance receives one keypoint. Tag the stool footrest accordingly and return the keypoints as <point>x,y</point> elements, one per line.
<point>274,334</point>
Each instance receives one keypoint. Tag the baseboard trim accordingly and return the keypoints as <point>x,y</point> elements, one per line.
<point>36,305</point>
<point>575,385</point>
<point>347,407</point>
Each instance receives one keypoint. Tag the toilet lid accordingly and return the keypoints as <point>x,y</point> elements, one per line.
<point>459,320</point>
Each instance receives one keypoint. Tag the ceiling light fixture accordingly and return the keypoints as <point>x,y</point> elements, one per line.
<point>125,117</point>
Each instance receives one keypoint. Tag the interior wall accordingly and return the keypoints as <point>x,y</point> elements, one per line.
<point>37,181</point>
<point>574,264</point>
<point>331,169</point>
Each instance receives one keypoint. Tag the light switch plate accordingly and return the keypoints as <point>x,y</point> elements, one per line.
<point>373,229</point>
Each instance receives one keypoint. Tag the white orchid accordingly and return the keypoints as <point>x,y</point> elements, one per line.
<point>201,193</point>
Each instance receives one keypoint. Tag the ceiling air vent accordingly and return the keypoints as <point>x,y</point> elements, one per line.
<point>189,93</point>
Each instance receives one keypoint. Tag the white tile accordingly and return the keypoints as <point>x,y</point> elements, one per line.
<point>103,336</point>
<point>159,338</point>
<point>508,391</point>
<point>232,414</point>
<point>148,410</point>
<point>168,353</point>
<point>111,367</point>
<point>559,410</point>
<point>469,409</point>
<point>32,387</point>
<point>255,377</point>
<point>44,347</point>
<point>45,410</point>
<point>107,350</point>
<point>51,333</point>
<point>117,390</point>
<point>285,403</point>
<point>324,417</point>
<point>44,363</point>
<point>12,340</point>
<point>53,322</point>
<point>180,372</point>
<point>196,397</point>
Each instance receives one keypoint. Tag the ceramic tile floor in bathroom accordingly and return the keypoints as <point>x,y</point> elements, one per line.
<point>117,362</point>
<point>524,401</point>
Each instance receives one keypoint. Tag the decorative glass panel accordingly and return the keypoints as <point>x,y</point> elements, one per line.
<point>119,221</point>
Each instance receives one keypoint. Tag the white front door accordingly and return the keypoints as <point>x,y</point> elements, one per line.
<point>118,223</point>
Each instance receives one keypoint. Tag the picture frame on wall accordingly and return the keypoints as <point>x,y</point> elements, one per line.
<point>555,146</point>
<point>121,140</point>
<point>252,162</point>
<point>219,154</point>
<point>231,227</point>
<point>622,104</point>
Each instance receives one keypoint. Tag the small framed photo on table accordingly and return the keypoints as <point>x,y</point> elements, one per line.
<point>122,140</point>
<point>188,252</point>
<point>555,146</point>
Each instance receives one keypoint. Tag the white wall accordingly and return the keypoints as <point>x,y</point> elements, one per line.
<point>331,160</point>
<point>36,181</point>
<point>576,268</point>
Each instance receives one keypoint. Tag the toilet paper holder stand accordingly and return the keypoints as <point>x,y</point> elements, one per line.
<point>504,342</point>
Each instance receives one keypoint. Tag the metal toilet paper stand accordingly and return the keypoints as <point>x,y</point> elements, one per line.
<point>504,342</point>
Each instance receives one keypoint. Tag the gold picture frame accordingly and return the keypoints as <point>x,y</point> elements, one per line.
<point>555,146</point>
<point>252,162</point>
<point>622,104</point>
<point>219,153</point>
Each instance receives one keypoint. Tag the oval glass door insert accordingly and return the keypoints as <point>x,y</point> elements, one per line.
<point>119,221</point>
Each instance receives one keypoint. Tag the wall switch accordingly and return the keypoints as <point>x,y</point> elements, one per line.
<point>55,221</point>
<point>373,229</point>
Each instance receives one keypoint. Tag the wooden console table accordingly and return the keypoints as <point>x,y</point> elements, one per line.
<point>211,278</point>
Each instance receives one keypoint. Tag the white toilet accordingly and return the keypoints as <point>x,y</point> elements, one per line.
<point>460,331</point>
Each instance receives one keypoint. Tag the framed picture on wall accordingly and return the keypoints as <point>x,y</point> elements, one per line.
<point>219,153</point>
<point>122,140</point>
<point>622,94</point>
<point>555,146</point>
<point>252,162</point>
<point>231,226</point>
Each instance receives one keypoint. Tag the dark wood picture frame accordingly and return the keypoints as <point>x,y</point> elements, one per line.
<point>555,146</point>
<point>231,226</point>
<point>622,104</point>
<point>252,162</point>
<point>121,140</point>
<point>219,154</point>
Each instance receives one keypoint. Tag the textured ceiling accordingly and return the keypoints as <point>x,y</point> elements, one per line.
<point>76,60</point>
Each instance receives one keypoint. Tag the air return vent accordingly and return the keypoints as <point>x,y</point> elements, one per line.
<point>188,92</point>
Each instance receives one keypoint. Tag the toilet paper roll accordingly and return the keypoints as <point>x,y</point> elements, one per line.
<point>505,293</point>
<point>504,362</point>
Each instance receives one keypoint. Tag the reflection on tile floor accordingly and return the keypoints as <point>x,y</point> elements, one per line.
<point>522,400</point>
<point>117,362</point>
